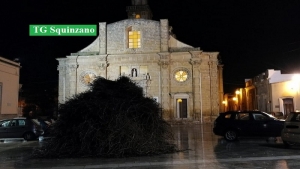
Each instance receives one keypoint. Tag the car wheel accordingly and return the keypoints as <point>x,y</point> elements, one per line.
<point>28,136</point>
<point>230,135</point>
<point>288,144</point>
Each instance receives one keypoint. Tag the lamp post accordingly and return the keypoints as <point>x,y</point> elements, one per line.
<point>180,107</point>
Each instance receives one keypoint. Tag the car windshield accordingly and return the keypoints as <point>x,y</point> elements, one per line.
<point>4,123</point>
<point>271,116</point>
<point>293,116</point>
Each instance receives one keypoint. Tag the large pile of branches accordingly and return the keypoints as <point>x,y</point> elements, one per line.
<point>112,119</point>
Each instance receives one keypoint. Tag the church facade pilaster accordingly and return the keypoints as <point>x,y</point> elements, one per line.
<point>164,35</point>
<point>164,63</point>
<point>61,81</point>
<point>102,35</point>
<point>102,65</point>
<point>221,87</point>
<point>71,75</point>
<point>195,61</point>
<point>215,97</point>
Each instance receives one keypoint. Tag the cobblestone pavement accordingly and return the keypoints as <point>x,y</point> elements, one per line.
<point>203,150</point>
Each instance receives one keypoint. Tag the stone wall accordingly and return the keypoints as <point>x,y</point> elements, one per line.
<point>117,36</point>
<point>9,86</point>
<point>8,116</point>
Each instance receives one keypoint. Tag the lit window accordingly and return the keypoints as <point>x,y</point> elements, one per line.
<point>137,16</point>
<point>134,39</point>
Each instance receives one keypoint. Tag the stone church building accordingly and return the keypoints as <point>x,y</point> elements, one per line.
<point>186,81</point>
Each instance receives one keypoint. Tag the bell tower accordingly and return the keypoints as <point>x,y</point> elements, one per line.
<point>139,9</point>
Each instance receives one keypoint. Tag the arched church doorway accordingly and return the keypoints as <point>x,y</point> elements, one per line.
<point>181,106</point>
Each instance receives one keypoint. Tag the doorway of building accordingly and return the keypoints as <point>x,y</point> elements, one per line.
<point>288,106</point>
<point>181,107</point>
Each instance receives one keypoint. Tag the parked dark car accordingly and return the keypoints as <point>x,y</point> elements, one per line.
<point>291,132</point>
<point>234,124</point>
<point>46,125</point>
<point>20,128</point>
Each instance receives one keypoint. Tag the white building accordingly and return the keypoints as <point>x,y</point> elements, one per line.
<point>186,81</point>
<point>278,92</point>
<point>9,88</point>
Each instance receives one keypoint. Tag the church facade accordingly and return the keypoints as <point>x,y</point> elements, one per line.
<point>186,81</point>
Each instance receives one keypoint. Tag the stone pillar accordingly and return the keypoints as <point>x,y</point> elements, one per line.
<point>102,37</point>
<point>102,65</point>
<point>61,80</point>
<point>205,93</point>
<point>195,61</point>
<point>164,63</point>
<point>164,35</point>
<point>221,88</point>
<point>71,77</point>
<point>213,63</point>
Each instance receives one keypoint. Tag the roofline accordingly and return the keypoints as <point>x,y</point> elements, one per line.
<point>7,61</point>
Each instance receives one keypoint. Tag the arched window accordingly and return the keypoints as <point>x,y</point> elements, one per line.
<point>134,72</point>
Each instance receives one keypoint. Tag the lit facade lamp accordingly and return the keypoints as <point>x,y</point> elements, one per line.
<point>235,100</point>
<point>237,92</point>
<point>224,104</point>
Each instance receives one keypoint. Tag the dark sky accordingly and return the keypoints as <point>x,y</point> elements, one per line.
<point>251,35</point>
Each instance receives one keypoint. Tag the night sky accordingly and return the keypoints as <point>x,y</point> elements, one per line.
<point>251,35</point>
